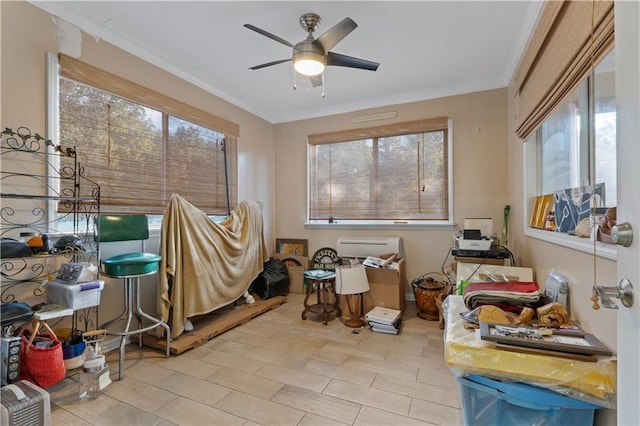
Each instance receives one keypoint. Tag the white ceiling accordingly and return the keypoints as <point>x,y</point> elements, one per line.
<point>426,49</point>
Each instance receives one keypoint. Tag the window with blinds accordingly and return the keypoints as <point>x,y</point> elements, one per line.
<point>577,144</point>
<point>565,111</point>
<point>142,153</point>
<point>393,173</point>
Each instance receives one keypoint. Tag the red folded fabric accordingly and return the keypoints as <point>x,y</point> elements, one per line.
<point>509,296</point>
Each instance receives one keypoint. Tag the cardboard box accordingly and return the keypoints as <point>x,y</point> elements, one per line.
<point>296,265</point>
<point>386,289</point>
<point>485,261</point>
<point>481,272</point>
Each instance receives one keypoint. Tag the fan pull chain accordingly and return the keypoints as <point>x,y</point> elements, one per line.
<point>294,77</point>
<point>323,84</point>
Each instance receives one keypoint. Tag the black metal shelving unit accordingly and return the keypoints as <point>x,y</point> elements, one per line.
<point>44,191</point>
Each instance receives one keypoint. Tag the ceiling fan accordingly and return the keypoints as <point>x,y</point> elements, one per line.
<point>310,56</point>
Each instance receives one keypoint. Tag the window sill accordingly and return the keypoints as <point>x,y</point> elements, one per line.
<point>444,225</point>
<point>607,251</point>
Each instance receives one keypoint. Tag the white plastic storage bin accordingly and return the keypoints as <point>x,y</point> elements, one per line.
<point>492,402</point>
<point>77,296</point>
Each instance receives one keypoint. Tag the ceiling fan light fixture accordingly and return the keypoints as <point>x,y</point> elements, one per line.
<point>311,55</point>
<point>308,63</point>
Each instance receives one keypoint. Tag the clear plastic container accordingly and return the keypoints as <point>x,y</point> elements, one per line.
<point>94,377</point>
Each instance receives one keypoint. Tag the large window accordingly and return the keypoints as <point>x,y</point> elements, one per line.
<point>575,148</point>
<point>390,174</point>
<point>567,158</point>
<point>140,153</point>
<point>567,120</point>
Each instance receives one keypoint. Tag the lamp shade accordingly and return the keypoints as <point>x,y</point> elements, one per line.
<point>351,279</point>
<point>308,63</point>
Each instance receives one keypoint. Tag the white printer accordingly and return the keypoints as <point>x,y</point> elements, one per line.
<point>477,234</point>
<point>472,239</point>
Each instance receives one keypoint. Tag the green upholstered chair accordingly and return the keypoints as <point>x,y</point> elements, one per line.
<point>130,267</point>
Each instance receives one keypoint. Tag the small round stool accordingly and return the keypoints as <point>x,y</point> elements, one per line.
<point>130,267</point>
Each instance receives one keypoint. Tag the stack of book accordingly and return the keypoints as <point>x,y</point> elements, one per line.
<point>384,320</point>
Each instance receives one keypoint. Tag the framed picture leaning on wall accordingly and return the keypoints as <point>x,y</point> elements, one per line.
<point>294,247</point>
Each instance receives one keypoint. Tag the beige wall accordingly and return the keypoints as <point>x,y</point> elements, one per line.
<point>480,173</point>
<point>275,173</point>
<point>28,33</point>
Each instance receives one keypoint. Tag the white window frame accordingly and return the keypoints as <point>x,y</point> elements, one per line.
<point>390,224</point>
<point>53,129</point>
<point>607,251</point>
<point>530,189</point>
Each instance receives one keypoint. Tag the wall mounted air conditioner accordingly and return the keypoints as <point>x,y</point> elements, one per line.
<point>361,247</point>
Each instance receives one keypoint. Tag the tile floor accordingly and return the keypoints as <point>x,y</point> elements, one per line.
<point>279,370</point>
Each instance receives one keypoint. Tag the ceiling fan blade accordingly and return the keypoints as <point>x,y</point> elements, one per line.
<point>335,34</point>
<point>339,60</point>
<point>268,34</point>
<point>268,64</point>
<point>316,80</point>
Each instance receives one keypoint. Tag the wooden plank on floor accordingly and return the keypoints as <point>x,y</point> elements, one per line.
<point>206,327</point>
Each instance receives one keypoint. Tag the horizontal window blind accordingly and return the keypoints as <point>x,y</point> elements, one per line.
<point>396,172</point>
<point>569,38</point>
<point>141,154</point>
<point>88,74</point>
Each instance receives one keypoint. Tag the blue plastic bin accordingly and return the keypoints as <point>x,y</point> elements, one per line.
<point>492,402</point>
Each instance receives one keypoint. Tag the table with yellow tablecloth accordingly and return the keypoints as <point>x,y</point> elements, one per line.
<point>465,353</point>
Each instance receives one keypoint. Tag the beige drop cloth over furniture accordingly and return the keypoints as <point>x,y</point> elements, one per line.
<point>207,265</point>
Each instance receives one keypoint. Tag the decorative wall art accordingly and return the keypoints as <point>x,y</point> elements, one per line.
<point>574,204</point>
<point>325,258</point>
<point>292,247</point>
<point>543,206</point>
